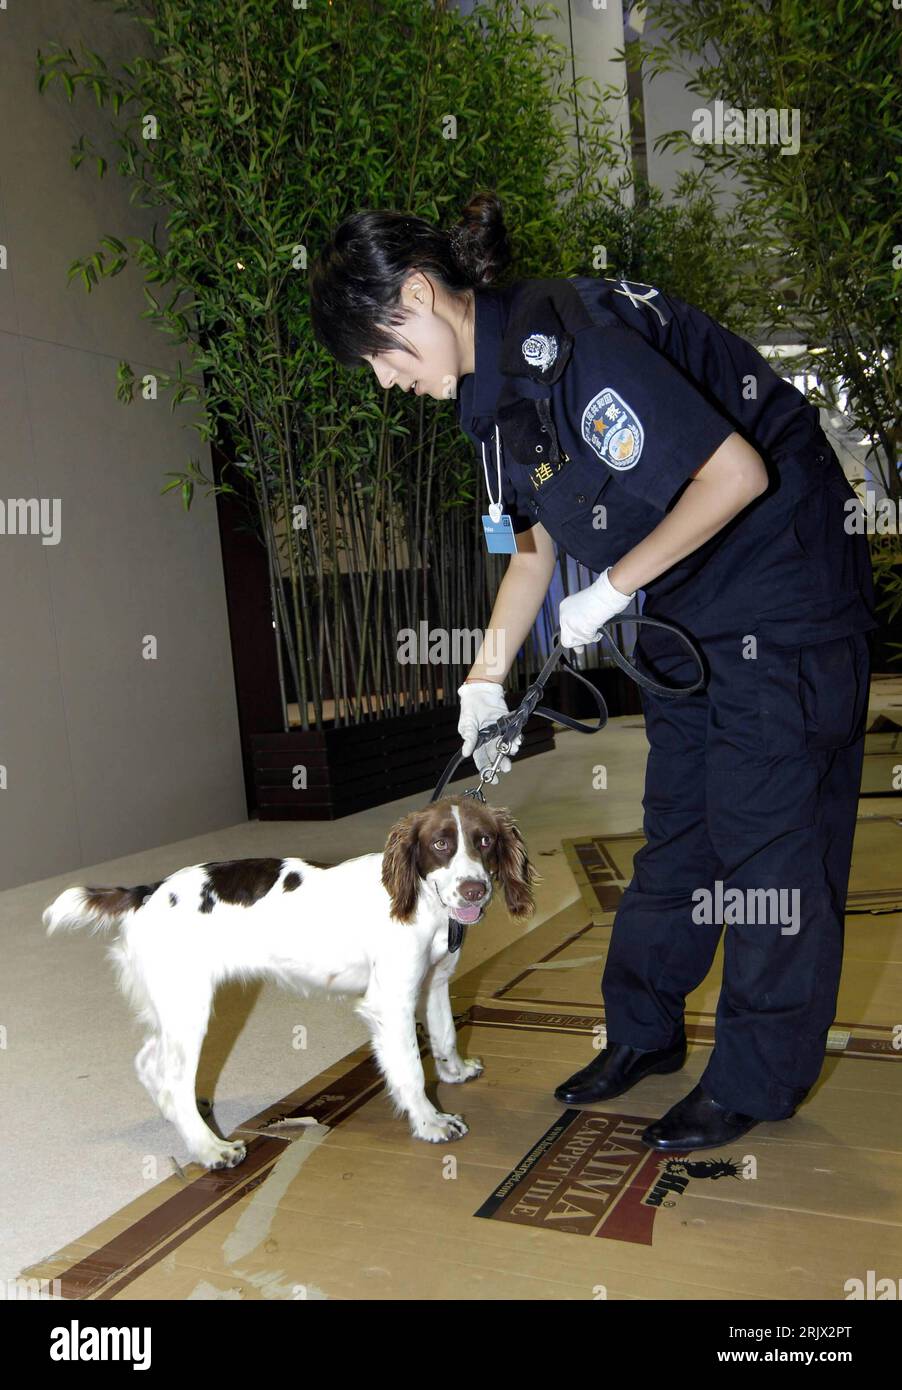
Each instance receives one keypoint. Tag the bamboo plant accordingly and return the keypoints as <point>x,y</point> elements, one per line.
<point>255,128</point>
<point>822,258</point>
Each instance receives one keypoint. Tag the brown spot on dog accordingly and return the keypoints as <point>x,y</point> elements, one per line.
<point>239,881</point>
<point>291,881</point>
<point>115,901</point>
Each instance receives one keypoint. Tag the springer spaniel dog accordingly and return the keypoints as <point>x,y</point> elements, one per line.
<point>378,926</point>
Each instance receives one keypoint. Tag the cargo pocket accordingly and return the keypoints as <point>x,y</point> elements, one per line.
<point>782,719</point>
<point>833,689</point>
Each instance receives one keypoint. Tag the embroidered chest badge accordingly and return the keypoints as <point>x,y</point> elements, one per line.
<point>540,350</point>
<point>613,429</point>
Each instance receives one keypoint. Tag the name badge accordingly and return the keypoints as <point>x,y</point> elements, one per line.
<point>500,536</point>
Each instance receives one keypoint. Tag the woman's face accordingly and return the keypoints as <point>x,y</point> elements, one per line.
<point>437,328</point>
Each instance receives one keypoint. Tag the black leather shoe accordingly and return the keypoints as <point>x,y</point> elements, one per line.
<point>697,1122</point>
<point>616,1068</point>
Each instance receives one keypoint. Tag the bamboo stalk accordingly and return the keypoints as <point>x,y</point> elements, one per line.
<point>369,577</point>
<point>355,568</point>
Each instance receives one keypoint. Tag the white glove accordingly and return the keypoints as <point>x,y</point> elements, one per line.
<point>581,615</point>
<point>481,703</point>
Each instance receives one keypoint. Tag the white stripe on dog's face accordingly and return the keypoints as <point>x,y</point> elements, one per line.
<point>454,860</point>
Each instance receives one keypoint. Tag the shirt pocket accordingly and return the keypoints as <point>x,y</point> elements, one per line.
<point>805,561</point>
<point>586,500</point>
<point>598,522</point>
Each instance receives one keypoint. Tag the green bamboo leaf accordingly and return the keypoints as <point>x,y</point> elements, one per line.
<point>341,117</point>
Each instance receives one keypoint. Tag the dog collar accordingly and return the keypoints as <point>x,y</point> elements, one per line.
<point>456,933</point>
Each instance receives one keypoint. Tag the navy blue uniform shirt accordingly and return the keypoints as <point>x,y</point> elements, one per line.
<point>609,395</point>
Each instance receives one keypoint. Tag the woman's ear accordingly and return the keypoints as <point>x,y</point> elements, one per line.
<point>515,873</point>
<point>400,876</point>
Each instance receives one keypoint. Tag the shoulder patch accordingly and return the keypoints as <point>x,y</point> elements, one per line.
<point>613,430</point>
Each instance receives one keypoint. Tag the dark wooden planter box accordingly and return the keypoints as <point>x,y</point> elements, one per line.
<point>361,765</point>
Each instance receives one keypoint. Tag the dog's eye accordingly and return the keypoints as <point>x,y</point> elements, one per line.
<point>440,844</point>
<point>485,841</point>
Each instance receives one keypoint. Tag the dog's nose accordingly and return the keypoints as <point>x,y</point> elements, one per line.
<point>472,890</point>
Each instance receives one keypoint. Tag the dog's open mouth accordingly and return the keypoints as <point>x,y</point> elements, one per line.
<point>469,914</point>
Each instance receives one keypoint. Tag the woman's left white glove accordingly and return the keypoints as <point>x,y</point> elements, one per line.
<point>581,615</point>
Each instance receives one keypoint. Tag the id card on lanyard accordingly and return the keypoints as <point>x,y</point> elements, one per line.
<point>500,537</point>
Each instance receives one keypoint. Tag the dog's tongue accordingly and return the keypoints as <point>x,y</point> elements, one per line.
<point>467,914</point>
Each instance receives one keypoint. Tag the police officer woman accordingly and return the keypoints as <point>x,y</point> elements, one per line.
<point>662,452</point>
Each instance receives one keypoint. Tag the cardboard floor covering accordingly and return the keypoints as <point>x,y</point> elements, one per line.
<point>882,766</point>
<point>336,1200</point>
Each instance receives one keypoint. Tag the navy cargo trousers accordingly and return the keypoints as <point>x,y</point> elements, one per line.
<point>751,784</point>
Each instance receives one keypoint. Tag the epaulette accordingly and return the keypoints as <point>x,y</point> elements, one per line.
<point>538,342</point>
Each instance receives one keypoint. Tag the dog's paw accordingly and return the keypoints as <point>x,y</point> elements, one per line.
<point>456,1070</point>
<point>441,1129</point>
<point>222,1154</point>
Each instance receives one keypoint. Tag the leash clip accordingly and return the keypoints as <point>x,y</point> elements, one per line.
<point>487,773</point>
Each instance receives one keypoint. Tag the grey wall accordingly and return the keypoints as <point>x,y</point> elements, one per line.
<point>592,34</point>
<point>669,106</point>
<point>103,752</point>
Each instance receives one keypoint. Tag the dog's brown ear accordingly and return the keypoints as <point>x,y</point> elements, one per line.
<point>399,866</point>
<point>515,873</point>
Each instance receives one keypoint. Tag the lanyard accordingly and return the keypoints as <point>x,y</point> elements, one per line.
<point>495,508</point>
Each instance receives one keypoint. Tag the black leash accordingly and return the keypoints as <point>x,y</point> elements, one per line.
<point>510,725</point>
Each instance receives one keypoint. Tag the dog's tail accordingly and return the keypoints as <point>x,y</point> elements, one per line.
<point>99,909</point>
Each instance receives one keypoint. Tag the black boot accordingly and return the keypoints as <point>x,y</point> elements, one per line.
<point>697,1122</point>
<point>616,1068</point>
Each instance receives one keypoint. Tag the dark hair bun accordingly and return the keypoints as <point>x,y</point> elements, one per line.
<point>479,244</point>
